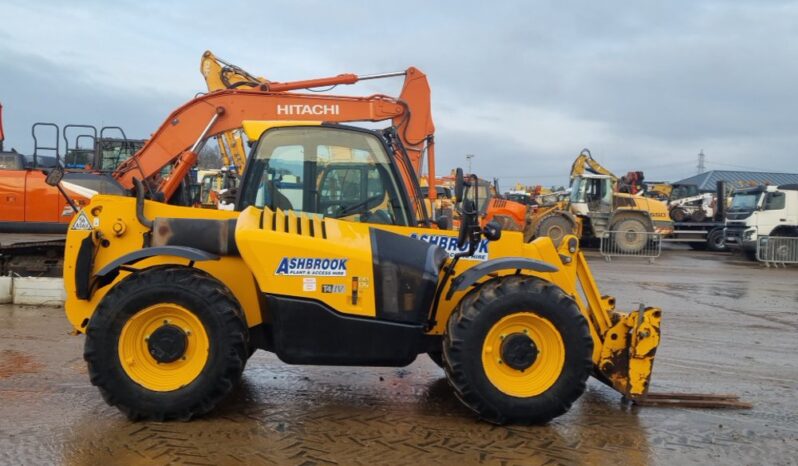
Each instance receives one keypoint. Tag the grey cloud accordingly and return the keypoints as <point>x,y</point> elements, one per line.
<point>661,79</point>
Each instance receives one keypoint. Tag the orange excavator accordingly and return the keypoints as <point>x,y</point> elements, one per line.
<point>164,161</point>
<point>33,215</point>
<point>177,142</point>
<point>220,74</point>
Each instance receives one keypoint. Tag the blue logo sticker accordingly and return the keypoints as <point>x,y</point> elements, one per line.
<point>449,244</point>
<point>311,267</point>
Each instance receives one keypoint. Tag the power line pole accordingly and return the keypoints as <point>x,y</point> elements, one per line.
<point>701,167</point>
<point>469,157</point>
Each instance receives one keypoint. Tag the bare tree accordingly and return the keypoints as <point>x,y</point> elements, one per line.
<point>209,156</point>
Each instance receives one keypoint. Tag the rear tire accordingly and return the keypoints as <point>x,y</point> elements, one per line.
<point>555,227</point>
<point>506,392</point>
<point>119,344</point>
<point>630,235</point>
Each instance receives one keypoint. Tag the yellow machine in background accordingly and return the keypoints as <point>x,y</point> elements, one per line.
<point>220,75</point>
<point>334,268</point>
<point>660,190</point>
<point>594,207</point>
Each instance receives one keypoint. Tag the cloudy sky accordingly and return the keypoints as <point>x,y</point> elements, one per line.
<point>522,85</point>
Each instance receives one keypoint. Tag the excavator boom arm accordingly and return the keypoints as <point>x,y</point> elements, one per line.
<point>414,124</point>
<point>586,162</point>
<point>183,131</point>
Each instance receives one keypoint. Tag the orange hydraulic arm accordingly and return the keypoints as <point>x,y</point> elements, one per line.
<point>179,138</point>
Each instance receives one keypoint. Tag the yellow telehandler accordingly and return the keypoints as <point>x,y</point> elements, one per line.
<point>328,262</point>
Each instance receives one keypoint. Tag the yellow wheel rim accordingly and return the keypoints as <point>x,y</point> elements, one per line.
<point>542,373</point>
<point>139,364</point>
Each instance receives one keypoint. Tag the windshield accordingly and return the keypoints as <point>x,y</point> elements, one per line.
<point>591,190</point>
<point>115,151</point>
<point>335,172</point>
<point>484,193</point>
<point>522,198</point>
<point>78,158</point>
<point>744,202</point>
<point>681,191</point>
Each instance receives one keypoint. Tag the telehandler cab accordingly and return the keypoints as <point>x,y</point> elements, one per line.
<point>328,263</point>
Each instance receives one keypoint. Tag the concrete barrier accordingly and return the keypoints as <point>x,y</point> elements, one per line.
<point>6,290</point>
<point>38,291</point>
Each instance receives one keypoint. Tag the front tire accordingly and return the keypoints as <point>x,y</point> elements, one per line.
<point>166,343</point>
<point>630,235</point>
<point>518,350</point>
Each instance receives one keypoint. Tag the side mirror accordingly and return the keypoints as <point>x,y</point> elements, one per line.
<point>469,226</point>
<point>53,178</point>
<point>492,231</point>
<point>54,175</point>
<point>459,185</point>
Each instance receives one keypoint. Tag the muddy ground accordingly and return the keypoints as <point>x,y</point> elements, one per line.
<point>729,326</point>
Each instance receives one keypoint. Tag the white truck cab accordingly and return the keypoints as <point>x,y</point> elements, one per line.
<point>761,211</point>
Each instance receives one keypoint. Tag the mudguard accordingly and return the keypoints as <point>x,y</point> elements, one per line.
<point>108,273</point>
<point>470,276</point>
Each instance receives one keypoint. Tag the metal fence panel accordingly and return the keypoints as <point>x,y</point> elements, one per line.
<point>647,245</point>
<point>777,250</point>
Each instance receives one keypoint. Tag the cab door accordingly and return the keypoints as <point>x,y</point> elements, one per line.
<point>43,203</point>
<point>774,211</point>
<point>335,171</point>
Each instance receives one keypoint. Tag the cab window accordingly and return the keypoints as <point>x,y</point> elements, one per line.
<point>335,172</point>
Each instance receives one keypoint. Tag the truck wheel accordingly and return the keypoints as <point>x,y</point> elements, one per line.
<point>555,227</point>
<point>630,235</point>
<point>715,241</point>
<point>698,216</point>
<point>678,214</point>
<point>166,343</point>
<point>517,350</point>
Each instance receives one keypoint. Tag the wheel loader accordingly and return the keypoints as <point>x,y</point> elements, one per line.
<point>596,209</point>
<point>328,262</point>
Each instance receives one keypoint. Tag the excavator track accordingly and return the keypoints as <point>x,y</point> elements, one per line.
<point>42,258</point>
